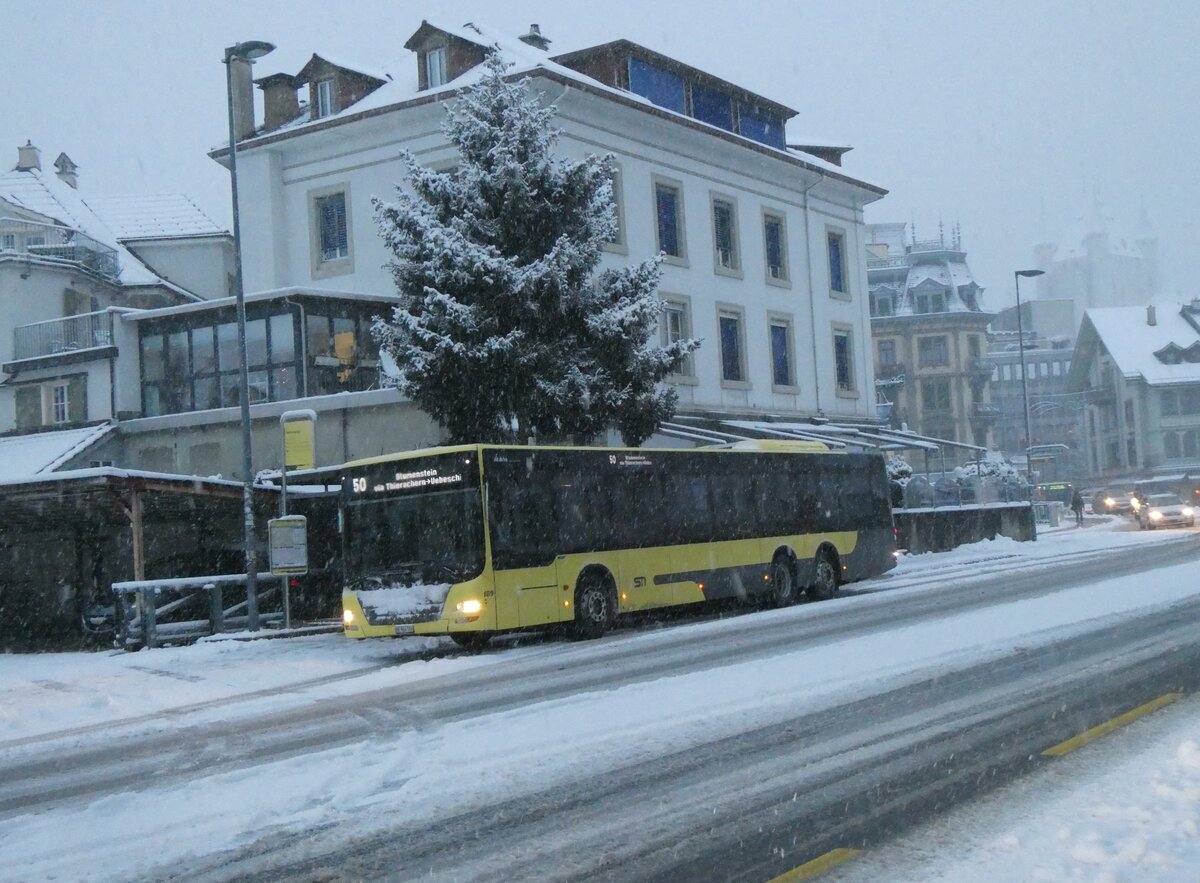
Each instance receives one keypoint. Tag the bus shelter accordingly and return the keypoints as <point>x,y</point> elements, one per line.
<point>66,537</point>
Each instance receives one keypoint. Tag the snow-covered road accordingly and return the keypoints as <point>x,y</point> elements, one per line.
<point>341,740</point>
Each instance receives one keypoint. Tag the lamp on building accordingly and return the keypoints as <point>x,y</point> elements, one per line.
<point>1024,380</point>
<point>245,53</point>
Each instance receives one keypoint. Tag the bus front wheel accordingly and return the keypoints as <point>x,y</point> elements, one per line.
<point>825,577</point>
<point>594,608</point>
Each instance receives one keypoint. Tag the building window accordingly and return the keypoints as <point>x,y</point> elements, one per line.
<point>677,326</point>
<point>775,246</point>
<point>668,206</point>
<point>733,356</point>
<point>325,98</point>
<point>836,244</point>
<point>436,67</point>
<point>882,303</point>
<point>661,86</point>
<point>931,302</point>
<point>887,353</point>
<point>760,125</point>
<point>54,403</point>
<point>8,242</point>
<point>725,238</point>
<point>783,372</point>
<point>331,221</point>
<point>843,359</point>
<point>933,352</point>
<point>617,241</point>
<point>973,346</point>
<point>330,230</point>
<point>935,394</point>
<point>712,106</point>
<point>1171,447</point>
<point>59,399</point>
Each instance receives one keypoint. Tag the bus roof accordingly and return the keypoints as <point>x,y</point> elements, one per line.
<point>766,445</point>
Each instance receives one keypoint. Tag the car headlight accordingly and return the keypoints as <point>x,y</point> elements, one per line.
<point>1188,511</point>
<point>1156,515</point>
<point>469,607</point>
<point>1109,502</point>
<point>347,616</point>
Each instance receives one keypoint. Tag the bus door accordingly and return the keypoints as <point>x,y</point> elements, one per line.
<point>524,538</point>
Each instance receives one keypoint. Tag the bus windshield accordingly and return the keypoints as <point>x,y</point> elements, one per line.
<point>413,524</point>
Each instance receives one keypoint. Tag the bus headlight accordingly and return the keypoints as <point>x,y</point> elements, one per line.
<point>469,607</point>
<point>347,616</point>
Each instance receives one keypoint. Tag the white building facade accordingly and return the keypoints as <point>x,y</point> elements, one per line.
<point>762,242</point>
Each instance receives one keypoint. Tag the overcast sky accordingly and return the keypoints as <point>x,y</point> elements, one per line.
<point>1005,117</point>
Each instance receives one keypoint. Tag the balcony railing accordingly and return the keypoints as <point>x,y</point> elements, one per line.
<point>71,333</point>
<point>51,242</point>
<point>879,263</point>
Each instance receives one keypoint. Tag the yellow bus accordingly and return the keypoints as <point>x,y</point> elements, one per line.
<point>478,539</point>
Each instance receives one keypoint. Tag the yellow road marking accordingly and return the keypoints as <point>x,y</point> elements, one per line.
<point>1119,721</point>
<point>808,870</point>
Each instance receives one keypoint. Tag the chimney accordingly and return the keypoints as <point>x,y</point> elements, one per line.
<point>535,38</point>
<point>1151,317</point>
<point>68,172</point>
<point>28,158</point>
<point>281,102</point>
<point>242,95</point>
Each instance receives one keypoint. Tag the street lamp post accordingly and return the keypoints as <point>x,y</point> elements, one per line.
<point>245,52</point>
<point>1025,382</point>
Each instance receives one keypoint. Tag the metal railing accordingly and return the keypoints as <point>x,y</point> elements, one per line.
<point>880,263</point>
<point>82,332</point>
<point>56,243</point>
<point>157,611</point>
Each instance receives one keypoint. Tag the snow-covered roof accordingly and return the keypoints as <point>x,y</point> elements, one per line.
<point>153,216</point>
<point>1132,343</point>
<point>403,86</point>
<point>46,194</point>
<point>31,456</point>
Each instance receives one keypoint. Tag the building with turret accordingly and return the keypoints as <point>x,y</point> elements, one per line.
<point>929,334</point>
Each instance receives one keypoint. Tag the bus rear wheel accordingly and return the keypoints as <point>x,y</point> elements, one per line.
<point>825,577</point>
<point>783,582</point>
<point>594,608</point>
<point>471,641</point>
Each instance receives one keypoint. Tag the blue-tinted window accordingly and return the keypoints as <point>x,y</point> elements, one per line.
<point>712,106</point>
<point>759,125</point>
<point>731,348</point>
<point>781,367</point>
<point>666,200</point>
<point>662,87</point>
<point>837,263</point>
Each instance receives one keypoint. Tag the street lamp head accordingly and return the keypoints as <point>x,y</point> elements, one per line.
<point>249,50</point>
<point>1030,273</point>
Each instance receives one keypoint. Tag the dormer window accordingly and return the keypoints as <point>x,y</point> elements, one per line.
<point>436,67</point>
<point>325,98</point>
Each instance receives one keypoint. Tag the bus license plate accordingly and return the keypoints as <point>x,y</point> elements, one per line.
<point>404,629</point>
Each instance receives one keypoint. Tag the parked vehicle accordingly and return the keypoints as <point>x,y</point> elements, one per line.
<point>1165,510</point>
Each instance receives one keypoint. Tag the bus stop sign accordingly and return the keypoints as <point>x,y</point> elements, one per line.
<point>289,545</point>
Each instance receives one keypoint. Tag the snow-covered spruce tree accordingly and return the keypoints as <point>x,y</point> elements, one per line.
<point>506,331</point>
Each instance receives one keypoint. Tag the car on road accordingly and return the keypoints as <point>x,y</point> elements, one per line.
<point>1113,501</point>
<point>1164,510</point>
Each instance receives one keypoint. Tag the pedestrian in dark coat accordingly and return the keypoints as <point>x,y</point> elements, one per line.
<point>1077,507</point>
